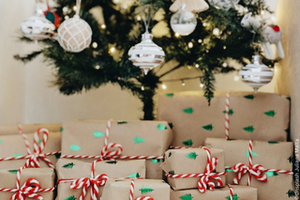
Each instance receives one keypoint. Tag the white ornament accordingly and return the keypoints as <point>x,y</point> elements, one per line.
<point>183,22</point>
<point>146,54</point>
<point>223,4</point>
<point>74,34</point>
<point>271,34</point>
<point>191,5</point>
<point>256,74</point>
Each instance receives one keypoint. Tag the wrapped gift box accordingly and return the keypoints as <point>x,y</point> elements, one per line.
<point>270,155</point>
<point>261,116</point>
<point>191,161</point>
<point>138,138</point>
<point>45,177</point>
<point>239,193</point>
<point>13,145</point>
<point>75,169</point>
<point>28,128</point>
<point>119,189</point>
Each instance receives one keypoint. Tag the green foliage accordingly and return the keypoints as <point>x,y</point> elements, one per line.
<point>76,72</point>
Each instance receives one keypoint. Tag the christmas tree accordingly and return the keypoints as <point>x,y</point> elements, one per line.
<point>218,36</point>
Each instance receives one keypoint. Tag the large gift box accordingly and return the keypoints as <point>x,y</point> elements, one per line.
<point>28,128</point>
<point>15,152</point>
<point>186,168</point>
<point>72,170</point>
<point>261,116</point>
<point>239,193</point>
<point>119,189</point>
<point>42,179</point>
<point>269,164</point>
<point>139,139</point>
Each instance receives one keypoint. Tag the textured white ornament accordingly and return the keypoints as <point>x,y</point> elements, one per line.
<point>183,21</point>
<point>146,54</point>
<point>74,34</point>
<point>223,4</point>
<point>256,74</point>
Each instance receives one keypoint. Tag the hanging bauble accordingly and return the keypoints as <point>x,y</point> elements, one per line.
<point>146,54</point>
<point>52,17</point>
<point>191,5</point>
<point>183,22</point>
<point>256,74</point>
<point>223,4</point>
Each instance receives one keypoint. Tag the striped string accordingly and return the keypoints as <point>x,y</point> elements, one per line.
<point>231,191</point>
<point>131,192</point>
<point>227,115</point>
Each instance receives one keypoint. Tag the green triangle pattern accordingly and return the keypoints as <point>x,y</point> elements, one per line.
<point>161,127</point>
<point>192,155</point>
<point>291,159</point>
<point>291,193</point>
<point>68,165</point>
<point>253,154</point>
<point>13,171</point>
<point>186,197</point>
<point>98,134</point>
<point>122,122</point>
<point>17,154</point>
<point>1,141</point>
<point>74,147</point>
<point>188,110</point>
<point>188,143</point>
<point>70,198</point>
<point>208,127</point>
<point>156,160</point>
<point>234,197</point>
<point>172,172</point>
<point>134,175</point>
<point>270,174</point>
<point>229,170</point>
<point>270,113</point>
<point>271,142</point>
<point>169,95</point>
<point>249,97</point>
<point>145,190</point>
<point>249,129</point>
<point>230,112</point>
<point>61,129</point>
<point>138,140</point>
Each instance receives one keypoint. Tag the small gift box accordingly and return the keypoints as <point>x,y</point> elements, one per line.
<point>195,167</point>
<point>139,189</point>
<point>81,176</point>
<point>234,192</point>
<point>261,116</point>
<point>33,182</point>
<point>266,166</point>
<point>138,140</point>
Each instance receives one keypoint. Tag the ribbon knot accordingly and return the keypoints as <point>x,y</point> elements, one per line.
<point>85,183</point>
<point>256,170</point>
<point>106,154</point>
<point>29,189</point>
<point>205,181</point>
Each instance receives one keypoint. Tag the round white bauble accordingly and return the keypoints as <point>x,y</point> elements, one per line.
<point>183,22</point>
<point>37,28</point>
<point>146,54</point>
<point>74,34</point>
<point>256,74</point>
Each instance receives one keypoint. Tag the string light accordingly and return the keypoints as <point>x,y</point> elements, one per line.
<point>224,64</point>
<point>177,35</point>
<point>74,8</point>
<point>164,86</point>
<point>262,12</point>
<point>182,83</point>
<point>204,24</point>
<point>112,49</point>
<point>125,6</point>
<point>190,45</point>
<point>139,18</point>
<point>103,26</point>
<point>246,10</point>
<point>197,65</point>
<point>216,31</point>
<point>94,45</point>
<point>97,67</point>
<point>199,41</point>
<point>273,18</point>
<point>224,47</point>
<point>142,88</point>
<point>66,17</point>
<point>201,85</point>
<point>236,78</point>
<point>65,9</point>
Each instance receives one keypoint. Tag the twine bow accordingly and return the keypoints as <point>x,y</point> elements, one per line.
<point>29,189</point>
<point>85,183</point>
<point>205,181</point>
<point>256,170</point>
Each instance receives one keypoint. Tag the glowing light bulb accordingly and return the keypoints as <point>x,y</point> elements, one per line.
<point>182,83</point>
<point>204,24</point>
<point>113,49</point>
<point>201,85</point>
<point>142,88</point>
<point>125,6</point>
<point>197,65</point>
<point>246,10</point>
<point>139,18</point>
<point>216,31</point>
<point>94,45</point>
<point>224,64</point>
<point>190,45</point>
<point>74,8</point>
<point>177,35</point>
<point>103,26</point>
<point>97,67</point>
<point>164,86</point>
<point>273,18</point>
<point>65,9</point>
<point>66,17</point>
<point>224,47</point>
<point>262,12</point>
<point>236,78</point>
<point>199,41</point>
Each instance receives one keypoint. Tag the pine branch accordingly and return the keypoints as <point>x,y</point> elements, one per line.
<point>28,57</point>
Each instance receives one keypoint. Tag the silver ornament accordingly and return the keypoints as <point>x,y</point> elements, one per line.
<point>256,74</point>
<point>146,54</point>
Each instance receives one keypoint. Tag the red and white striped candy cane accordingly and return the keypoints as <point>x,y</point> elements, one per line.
<point>227,115</point>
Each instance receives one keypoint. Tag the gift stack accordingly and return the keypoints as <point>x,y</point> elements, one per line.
<point>251,132</point>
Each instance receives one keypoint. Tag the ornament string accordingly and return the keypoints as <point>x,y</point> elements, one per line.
<point>205,179</point>
<point>33,159</point>
<point>148,20</point>
<point>231,191</point>
<point>78,5</point>
<point>227,115</point>
<point>131,193</point>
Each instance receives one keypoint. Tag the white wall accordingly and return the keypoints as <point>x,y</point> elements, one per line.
<point>27,97</point>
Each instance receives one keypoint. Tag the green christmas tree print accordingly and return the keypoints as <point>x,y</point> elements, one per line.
<point>270,113</point>
<point>17,155</point>
<point>188,143</point>
<point>169,95</point>
<point>61,129</point>
<point>230,112</point>
<point>138,140</point>
<point>122,122</point>
<point>13,171</point>
<point>111,162</point>
<point>134,175</point>
<point>68,165</point>
<point>186,197</point>
<point>145,190</point>
<point>57,155</point>
<point>291,159</point>
<point>249,129</point>
<point>291,193</point>
<point>98,134</point>
<point>70,198</point>
<point>172,172</point>
<point>234,197</point>
<point>271,174</point>
<point>74,147</point>
<point>249,97</point>
<point>1,141</point>
<point>253,154</point>
<point>188,110</point>
<point>161,127</point>
<point>271,142</point>
<point>208,127</point>
<point>192,155</point>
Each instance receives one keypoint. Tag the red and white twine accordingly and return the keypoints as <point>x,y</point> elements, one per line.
<point>258,171</point>
<point>131,193</point>
<point>205,182</point>
<point>227,115</point>
<point>231,191</point>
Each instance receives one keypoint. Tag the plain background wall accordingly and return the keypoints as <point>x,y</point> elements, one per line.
<point>26,95</point>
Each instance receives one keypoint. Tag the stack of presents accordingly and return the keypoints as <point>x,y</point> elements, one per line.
<point>234,149</point>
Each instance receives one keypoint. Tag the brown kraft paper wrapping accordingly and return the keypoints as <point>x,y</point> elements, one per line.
<point>271,155</point>
<point>45,176</point>
<point>74,169</point>
<point>119,189</point>
<point>14,145</point>
<point>190,161</point>
<point>138,138</point>
<point>28,128</point>
<point>261,116</point>
<point>239,192</point>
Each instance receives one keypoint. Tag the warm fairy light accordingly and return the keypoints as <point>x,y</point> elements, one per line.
<point>125,6</point>
<point>199,41</point>
<point>224,64</point>
<point>236,78</point>
<point>190,45</point>
<point>216,31</point>
<point>95,45</point>
<point>262,12</point>
<point>224,47</point>
<point>139,18</point>
<point>113,49</point>
<point>197,65</point>
<point>273,18</point>
<point>142,88</point>
<point>246,10</point>
<point>177,35</point>
<point>201,85</point>
<point>74,8</point>
<point>204,24</point>
<point>164,86</point>
<point>182,83</point>
<point>66,17</point>
<point>116,1</point>
<point>97,67</point>
<point>65,9</point>
<point>103,26</point>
